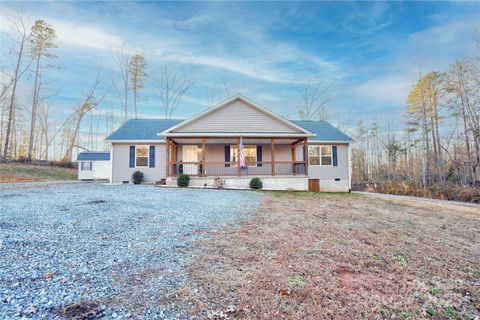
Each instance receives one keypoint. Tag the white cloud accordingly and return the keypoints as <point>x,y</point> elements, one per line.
<point>245,67</point>
<point>389,89</point>
<point>85,36</point>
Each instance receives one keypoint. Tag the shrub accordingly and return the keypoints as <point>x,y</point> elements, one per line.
<point>183,180</point>
<point>137,177</point>
<point>256,183</point>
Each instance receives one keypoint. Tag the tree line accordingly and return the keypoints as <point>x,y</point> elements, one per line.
<point>437,146</point>
<point>31,132</point>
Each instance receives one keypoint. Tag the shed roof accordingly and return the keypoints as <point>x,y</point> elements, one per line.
<point>94,156</point>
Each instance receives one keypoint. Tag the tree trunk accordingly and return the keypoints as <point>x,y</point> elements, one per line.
<point>36,91</point>
<point>12,102</point>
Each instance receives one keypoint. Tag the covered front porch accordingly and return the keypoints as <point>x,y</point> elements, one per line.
<point>219,156</point>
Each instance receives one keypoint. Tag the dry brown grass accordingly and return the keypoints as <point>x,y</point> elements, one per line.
<point>311,256</point>
<point>20,172</point>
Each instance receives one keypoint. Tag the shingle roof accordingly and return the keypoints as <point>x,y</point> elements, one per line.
<point>324,131</point>
<point>142,129</point>
<point>148,129</point>
<point>93,155</point>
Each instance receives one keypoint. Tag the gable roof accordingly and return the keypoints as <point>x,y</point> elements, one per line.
<point>324,131</point>
<point>292,128</point>
<point>94,156</point>
<point>142,130</point>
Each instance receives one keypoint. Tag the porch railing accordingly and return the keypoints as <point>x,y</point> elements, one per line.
<point>231,168</point>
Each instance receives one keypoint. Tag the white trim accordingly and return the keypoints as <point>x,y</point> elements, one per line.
<point>111,164</point>
<point>255,135</point>
<point>227,101</point>
<point>330,142</point>
<point>320,156</point>
<point>135,141</point>
<point>148,156</point>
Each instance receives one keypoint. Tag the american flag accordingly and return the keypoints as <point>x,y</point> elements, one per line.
<point>242,154</point>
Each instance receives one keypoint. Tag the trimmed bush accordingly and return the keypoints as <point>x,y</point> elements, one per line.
<point>256,183</point>
<point>137,177</point>
<point>183,180</point>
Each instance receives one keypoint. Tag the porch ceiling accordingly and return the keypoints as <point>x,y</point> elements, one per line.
<point>234,140</point>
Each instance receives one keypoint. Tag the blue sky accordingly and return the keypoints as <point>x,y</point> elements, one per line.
<point>369,52</point>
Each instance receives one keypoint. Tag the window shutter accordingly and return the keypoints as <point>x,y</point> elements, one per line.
<point>132,156</point>
<point>334,156</point>
<point>259,156</point>
<point>227,156</point>
<point>151,162</point>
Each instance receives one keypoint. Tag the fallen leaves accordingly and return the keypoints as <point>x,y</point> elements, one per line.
<point>283,292</point>
<point>227,313</point>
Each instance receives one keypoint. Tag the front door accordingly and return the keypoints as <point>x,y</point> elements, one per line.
<point>190,154</point>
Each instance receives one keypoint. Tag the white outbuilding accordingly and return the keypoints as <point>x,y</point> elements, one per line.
<point>94,165</point>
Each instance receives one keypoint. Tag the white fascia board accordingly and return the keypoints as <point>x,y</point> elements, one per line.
<point>239,134</point>
<point>135,141</point>
<point>325,141</point>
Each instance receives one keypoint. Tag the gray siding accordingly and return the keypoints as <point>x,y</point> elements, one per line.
<point>120,163</point>
<point>237,116</point>
<point>331,172</point>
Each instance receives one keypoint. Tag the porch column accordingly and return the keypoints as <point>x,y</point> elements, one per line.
<point>238,157</point>
<point>305,154</point>
<point>294,157</point>
<point>204,169</point>
<point>272,152</point>
<point>173,156</point>
<point>167,150</point>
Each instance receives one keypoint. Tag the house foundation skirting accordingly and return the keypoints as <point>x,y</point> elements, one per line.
<point>298,183</point>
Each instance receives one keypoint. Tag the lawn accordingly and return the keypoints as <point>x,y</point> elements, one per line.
<point>16,172</point>
<point>340,256</point>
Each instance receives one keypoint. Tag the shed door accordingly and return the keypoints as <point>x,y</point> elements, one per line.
<point>314,185</point>
<point>85,170</point>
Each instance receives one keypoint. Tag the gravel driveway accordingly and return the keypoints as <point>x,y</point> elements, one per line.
<point>104,251</point>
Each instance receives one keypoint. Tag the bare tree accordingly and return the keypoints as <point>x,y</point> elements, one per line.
<point>173,85</point>
<point>314,101</point>
<point>23,37</point>
<point>90,102</point>
<point>122,86</point>
<point>41,41</point>
<point>137,70</point>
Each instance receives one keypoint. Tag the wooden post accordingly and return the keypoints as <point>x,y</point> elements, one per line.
<point>272,152</point>
<point>173,156</point>
<point>305,155</point>
<point>238,157</point>
<point>294,157</point>
<point>204,169</point>
<point>167,151</point>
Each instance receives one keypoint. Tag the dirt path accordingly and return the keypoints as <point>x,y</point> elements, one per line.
<point>410,200</point>
<point>314,256</point>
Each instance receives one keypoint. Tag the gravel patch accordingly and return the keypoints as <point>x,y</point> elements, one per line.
<point>87,251</point>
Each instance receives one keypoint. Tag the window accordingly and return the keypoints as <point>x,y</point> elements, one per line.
<point>86,166</point>
<point>141,156</point>
<point>250,152</point>
<point>320,155</point>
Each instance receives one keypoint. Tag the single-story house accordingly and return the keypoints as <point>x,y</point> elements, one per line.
<point>285,154</point>
<point>94,165</point>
